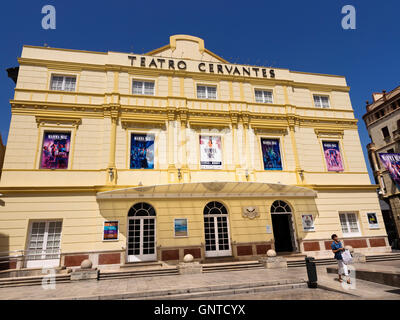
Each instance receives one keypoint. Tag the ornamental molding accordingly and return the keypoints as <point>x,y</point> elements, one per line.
<point>58,120</point>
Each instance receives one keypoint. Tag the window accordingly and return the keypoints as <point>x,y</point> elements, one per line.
<point>143,87</point>
<point>385,132</point>
<point>390,151</point>
<point>321,101</point>
<point>63,83</point>
<point>349,224</point>
<point>206,92</point>
<point>44,243</point>
<point>263,96</point>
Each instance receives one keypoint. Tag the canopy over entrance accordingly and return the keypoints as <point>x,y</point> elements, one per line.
<point>210,189</point>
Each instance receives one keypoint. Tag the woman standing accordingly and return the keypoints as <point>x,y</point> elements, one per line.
<point>337,249</point>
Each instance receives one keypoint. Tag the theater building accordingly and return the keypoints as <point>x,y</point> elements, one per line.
<point>121,157</point>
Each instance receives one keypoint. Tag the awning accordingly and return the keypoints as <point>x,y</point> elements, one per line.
<point>209,190</point>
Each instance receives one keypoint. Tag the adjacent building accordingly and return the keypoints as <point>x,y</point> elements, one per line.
<point>121,157</point>
<point>383,124</point>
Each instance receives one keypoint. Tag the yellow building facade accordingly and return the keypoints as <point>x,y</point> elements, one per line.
<point>123,157</point>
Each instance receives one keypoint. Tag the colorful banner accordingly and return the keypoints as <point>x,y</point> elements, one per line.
<point>308,222</point>
<point>372,220</point>
<point>110,230</point>
<point>391,161</point>
<point>181,227</point>
<point>271,154</point>
<point>210,152</point>
<point>55,151</point>
<point>142,151</point>
<point>332,155</point>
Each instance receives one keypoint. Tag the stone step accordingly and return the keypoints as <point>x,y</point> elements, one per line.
<point>138,273</point>
<point>227,292</point>
<point>232,266</point>
<point>30,281</point>
<point>232,269</point>
<point>129,265</point>
<point>210,289</point>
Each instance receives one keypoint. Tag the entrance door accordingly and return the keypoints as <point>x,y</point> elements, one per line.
<point>44,244</point>
<point>141,233</point>
<point>282,224</point>
<point>283,239</point>
<point>216,230</point>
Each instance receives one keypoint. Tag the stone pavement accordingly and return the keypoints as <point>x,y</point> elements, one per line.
<point>361,288</point>
<point>113,289</point>
<point>122,288</point>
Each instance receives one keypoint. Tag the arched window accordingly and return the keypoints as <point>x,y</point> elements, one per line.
<point>215,207</point>
<point>141,209</point>
<point>280,207</point>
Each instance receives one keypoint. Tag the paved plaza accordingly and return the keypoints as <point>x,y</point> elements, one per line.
<point>268,284</point>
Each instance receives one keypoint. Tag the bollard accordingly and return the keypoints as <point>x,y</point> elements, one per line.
<point>311,272</point>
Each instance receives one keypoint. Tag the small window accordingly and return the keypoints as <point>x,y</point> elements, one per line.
<point>385,132</point>
<point>263,96</point>
<point>349,223</point>
<point>206,92</point>
<point>63,83</point>
<point>143,87</point>
<point>321,101</point>
<point>390,151</point>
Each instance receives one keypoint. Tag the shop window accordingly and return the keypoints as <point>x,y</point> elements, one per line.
<point>63,83</point>
<point>206,92</point>
<point>321,101</point>
<point>385,132</point>
<point>263,96</point>
<point>349,224</point>
<point>143,87</point>
<point>55,150</point>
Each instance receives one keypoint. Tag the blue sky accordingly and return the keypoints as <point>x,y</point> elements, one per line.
<point>299,35</point>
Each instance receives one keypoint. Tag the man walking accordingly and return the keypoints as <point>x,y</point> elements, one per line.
<point>337,249</point>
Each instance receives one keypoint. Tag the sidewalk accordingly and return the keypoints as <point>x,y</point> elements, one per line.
<point>132,287</point>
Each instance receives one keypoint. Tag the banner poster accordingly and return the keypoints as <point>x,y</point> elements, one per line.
<point>55,150</point>
<point>372,220</point>
<point>210,152</point>
<point>332,155</point>
<point>271,154</point>
<point>308,222</point>
<point>110,230</point>
<point>181,227</point>
<point>142,151</point>
<point>391,161</point>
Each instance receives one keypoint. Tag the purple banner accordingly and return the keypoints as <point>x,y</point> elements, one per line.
<point>332,156</point>
<point>55,150</point>
<point>391,161</point>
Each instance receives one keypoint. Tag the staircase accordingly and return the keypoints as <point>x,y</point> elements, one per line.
<point>31,281</point>
<point>231,266</point>
<point>383,257</point>
<point>139,270</point>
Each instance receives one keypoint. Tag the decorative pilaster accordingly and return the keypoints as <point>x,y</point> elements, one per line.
<point>183,172</point>
<point>172,171</point>
<point>111,168</point>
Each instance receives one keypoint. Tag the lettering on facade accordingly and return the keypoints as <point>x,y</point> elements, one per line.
<point>224,69</point>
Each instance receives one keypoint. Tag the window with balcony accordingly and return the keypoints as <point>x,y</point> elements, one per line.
<point>143,87</point>
<point>263,96</point>
<point>349,224</point>
<point>206,92</point>
<point>63,83</point>
<point>321,101</point>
